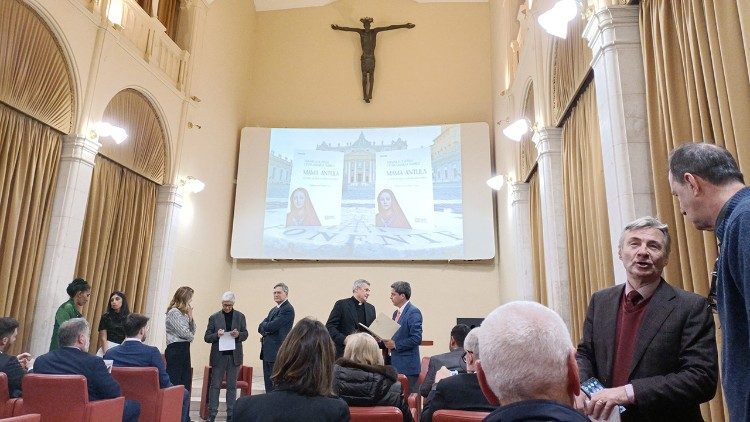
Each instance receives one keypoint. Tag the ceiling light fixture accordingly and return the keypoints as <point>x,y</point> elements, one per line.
<point>191,184</point>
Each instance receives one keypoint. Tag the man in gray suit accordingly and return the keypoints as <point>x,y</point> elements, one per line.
<point>227,322</point>
<point>452,360</point>
<point>650,344</point>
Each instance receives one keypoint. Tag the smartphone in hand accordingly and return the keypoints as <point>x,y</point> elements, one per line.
<point>592,385</point>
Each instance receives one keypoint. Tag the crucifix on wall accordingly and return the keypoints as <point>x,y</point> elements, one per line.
<point>367,37</point>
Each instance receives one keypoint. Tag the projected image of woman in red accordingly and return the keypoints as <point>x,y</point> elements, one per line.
<point>389,211</point>
<point>301,210</point>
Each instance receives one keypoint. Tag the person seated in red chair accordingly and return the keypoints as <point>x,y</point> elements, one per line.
<point>361,379</point>
<point>133,353</point>
<point>71,358</point>
<point>459,391</point>
<point>455,360</point>
<point>15,367</point>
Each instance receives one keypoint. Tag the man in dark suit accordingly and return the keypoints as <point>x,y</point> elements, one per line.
<point>347,313</point>
<point>133,353</point>
<point>273,331</point>
<point>453,360</point>
<point>14,366</point>
<point>460,391</point>
<point>650,344</point>
<point>404,345</point>
<point>71,359</point>
<point>227,322</point>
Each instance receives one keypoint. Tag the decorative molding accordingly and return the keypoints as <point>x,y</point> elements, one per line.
<point>519,193</point>
<point>548,140</point>
<point>610,27</point>
<point>267,5</point>
<point>79,149</point>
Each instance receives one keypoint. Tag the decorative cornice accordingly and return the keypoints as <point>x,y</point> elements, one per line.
<point>612,26</point>
<point>169,194</point>
<point>519,193</point>
<point>548,140</point>
<point>266,5</point>
<point>79,148</point>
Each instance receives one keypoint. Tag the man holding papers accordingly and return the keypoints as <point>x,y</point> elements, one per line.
<point>226,331</point>
<point>349,312</point>
<point>404,345</point>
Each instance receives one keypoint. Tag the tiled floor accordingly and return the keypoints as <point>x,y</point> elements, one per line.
<point>195,401</point>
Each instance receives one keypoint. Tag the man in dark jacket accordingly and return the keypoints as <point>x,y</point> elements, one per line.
<point>273,331</point>
<point>529,364</point>
<point>14,366</point>
<point>348,313</point>
<point>453,360</point>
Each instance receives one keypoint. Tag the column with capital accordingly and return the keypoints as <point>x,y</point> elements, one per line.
<point>614,38</point>
<point>64,238</point>
<point>519,209</point>
<point>548,142</point>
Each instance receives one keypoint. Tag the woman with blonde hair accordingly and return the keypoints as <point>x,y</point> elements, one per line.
<point>361,379</point>
<point>302,377</point>
<point>180,329</point>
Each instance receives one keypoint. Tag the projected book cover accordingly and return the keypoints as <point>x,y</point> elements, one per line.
<point>392,193</point>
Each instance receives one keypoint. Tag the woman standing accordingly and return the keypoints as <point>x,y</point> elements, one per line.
<point>111,329</point>
<point>79,291</point>
<point>180,329</point>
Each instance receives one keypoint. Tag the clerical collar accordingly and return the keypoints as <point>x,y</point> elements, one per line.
<point>357,302</point>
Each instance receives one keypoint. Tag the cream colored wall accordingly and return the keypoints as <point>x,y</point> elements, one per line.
<point>221,80</point>
<point>307,75</point>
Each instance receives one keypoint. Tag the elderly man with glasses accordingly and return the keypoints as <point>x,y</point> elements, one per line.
<point>226,331</point>
<point>460,391</point>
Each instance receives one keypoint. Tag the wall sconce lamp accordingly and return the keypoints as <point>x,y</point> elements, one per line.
<point>115,12</point>
<point>191,184</point>
<point>104,129</point>
<point>516,130</point>
<point>194,98</point>
<point>555,21</point>
<point>191,125</point>
<point>497,182</point>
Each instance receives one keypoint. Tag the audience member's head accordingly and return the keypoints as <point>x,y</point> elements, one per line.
<point>181,299</point>
<point>280,292</point>
<point>135,326</point>
<point>362,348</point>
<point>79,291</point>
<point>361,290</point>
<point>458,334</point>
<point>304,363</point>
<point>527,354</point>
<point>75,333</point>
<point>471,350</point>
<point>118,303</point>
<point>8,332</point>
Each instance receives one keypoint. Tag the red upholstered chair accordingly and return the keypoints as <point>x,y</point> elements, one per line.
<point>376,414</point>
<point>244,383</point>
<point>142,385</point>
<point>7,404</point>
<point>65,398</point>
<point>415,399</point>
<point>35,417</point>
<point>458,416</point>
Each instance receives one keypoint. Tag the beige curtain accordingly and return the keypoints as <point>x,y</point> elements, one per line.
<point>537,240</point>
<point>33,71</point>
<point>527,152</point>
<point>115,250</point>
<point>144,151</point>
<point>169,11</point>
<point>587,222</point>
<point>29,156</point>
<point>695,55</point>
<point>571,64</point>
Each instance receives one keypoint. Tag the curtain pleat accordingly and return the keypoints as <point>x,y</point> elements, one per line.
<point>29,157</point>
<point>115,250</point>
<point>537,240</point>
<point>144,151</point>
<point>169,11</point>
<point>587,221</point>
<point>572,61</point>
<point>695,55</point>
<point>33,70</point>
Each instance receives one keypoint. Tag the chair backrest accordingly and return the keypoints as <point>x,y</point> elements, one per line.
<point>4,390</point>
<point>376,414</point>
<point>404,384</point>
<point>141,385</point>
<point>458,416</point>
<point>55,397</point>
<point>25,418</point>
<point>423,369</point>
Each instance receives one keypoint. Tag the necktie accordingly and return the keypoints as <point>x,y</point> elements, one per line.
<point>632,300</point>
<point>398,315</point>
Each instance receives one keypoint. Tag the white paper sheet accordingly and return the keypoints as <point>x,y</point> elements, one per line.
<point>226,342</point>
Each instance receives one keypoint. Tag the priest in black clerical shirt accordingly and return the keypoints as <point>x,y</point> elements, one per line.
<point>347,313</point>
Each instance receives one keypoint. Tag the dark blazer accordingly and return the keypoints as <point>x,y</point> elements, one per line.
<point>288,406</point>
<point>12,368</point>
<point>343,321</point>
<point>274,329</point>
<point>73,361</point>
<point>674,365</point>
<point>217,322</point>
<point>133,353</point>
<point>459,392</point>
<point>405,357</point>
<point>452,360</point>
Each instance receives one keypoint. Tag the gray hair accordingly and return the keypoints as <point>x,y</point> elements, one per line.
<point>402,288</point>
<point>708,161</point>
<point>525,351</point>
<point>359,283</point>
<point>227,297</point>
<point>69,331</point>
<point>471,343</point>
<point>648,223</point>
<point>283,286</point>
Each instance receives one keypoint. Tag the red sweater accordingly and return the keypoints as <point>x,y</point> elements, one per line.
<point>629,319</point>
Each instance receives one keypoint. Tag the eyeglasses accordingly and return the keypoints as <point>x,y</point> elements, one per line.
<point>463,357</point>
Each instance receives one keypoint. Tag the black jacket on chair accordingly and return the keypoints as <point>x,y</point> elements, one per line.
<point>287,406</point>
<point>368,385</point>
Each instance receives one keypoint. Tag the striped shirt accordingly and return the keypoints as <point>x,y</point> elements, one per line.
<point>179,327</point>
